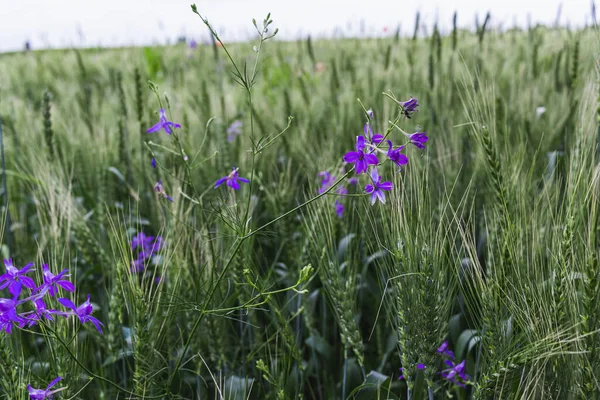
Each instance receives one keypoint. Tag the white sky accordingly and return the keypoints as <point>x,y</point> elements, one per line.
<point>64,23</point>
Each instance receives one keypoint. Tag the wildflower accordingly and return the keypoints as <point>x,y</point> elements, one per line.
<point>418,138</point>
<point>148,245</point>
<point>373,138</point>
<point>456,373</point>
<point>370,113</point>
<point>327,181</point>
<point>163,124</point>
<point>158,188</point>
<point>419,366</point>
<point>359,158</point>
<point>153,163</point>
<point>83,312</point>
<point>353,181</point>
<point>8,315</point>
<point>409,106</point>
<point>13,278</point>
<point>339,209</point>
<point>443,349</point>
<point>193,44</point>
<point>53,282</point>
<point>396,156</point>
<point>234,130</point>
<point>41,394</point>
<point>377,188</point>
<point>232,180</point>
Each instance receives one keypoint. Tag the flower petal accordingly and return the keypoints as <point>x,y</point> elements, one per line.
<point>360,143</point>
<point>351,156</point>
<point>220,181</point>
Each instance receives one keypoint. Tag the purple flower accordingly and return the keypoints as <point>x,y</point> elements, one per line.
<point>41,394</point>
<point>168,126</point>
<point>353,181</point>
<point>373,138</point>
<point>370,113</point>
<point>158,188</point>
<point>234,130</point>
<point>83,312</point>
<point>377,188</point>
<point>232,180</point>
<point>339,209</point>
<point>418,138</point>
<point>396,156</point>
<point>148,246</point>
<point>456,373</point>
<point>193,44</point>
<point>153,163</point>
<point>53,282</point>
<point>444,350</point>
<point>409,106</point>
<point>13,278</point>
<point>8,315</point>
<point>359,158</point>
<point>327,181</point>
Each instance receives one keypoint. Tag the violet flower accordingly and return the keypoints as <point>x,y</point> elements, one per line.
<point>327,181</point>
<point>409,106</point>
<point>359,158</point>
<point>418,138</point>
<point>14,277</point>
<point>53,282</point>
<point>232,180</point>
<point>8,315</point>
<point>153,162</point>
<point>456,373</point>
<point>444,350</point>
<point>83,312</point>
<point>370,113</point>
<point>377,188</point>
<point>234,130</point>
<point>158,188</point>
<point>168,126</point>
<point>396,156</point>
<point>41,394</point>
<point>373,138</point>
<point>339,209</point>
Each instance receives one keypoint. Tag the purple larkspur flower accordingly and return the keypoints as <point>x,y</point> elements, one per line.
<point>13,278</point>
<point>163,123</point>
<point>234,130</point>
<point>444,350</point>
<point>353,181</point>
<point>419,366</point>
<point>373,138</point>
<point>83,312</point>
<point>193,44</point>
<point>153,162</point>
<point>409,106</point>
<point>456,373</point>
<point>148,246</point>
<point>53,282</point>
<point>396,156</point>
<point>359,158</point>
<point>377,188</point>
<point>43,394</point>
<point>339,209</point>
<point>8,315</point>
<point>326,182</point>
<point>418,139</point>
<point>370,113</point>
<point>158,188</point>
<point>232,180</point>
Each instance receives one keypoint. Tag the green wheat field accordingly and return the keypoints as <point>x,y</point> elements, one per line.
<point>478,278</point>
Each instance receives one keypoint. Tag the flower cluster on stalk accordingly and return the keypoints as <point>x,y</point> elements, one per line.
<point>370,146</point>
<point>327,180</point>
<point>146,247</point>
<point>26,294</point>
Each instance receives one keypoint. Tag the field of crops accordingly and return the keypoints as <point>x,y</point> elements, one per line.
<point>406,218</point>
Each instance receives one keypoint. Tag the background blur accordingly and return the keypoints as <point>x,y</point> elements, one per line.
<point>68,23</point>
